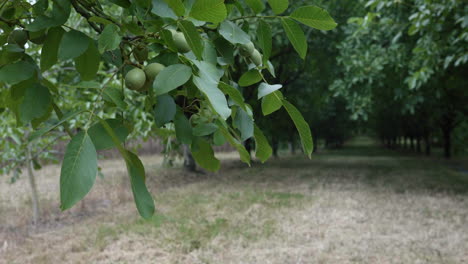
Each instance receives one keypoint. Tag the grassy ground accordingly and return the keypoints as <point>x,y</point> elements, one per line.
<point>361,204</point>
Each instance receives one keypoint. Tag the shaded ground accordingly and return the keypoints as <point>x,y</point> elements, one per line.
<point>361,204</point>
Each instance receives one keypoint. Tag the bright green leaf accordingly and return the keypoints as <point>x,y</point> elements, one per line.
<point>264,36</point>
<point>263,150</point>
<point>203,154</point>
<point>278,6</point>
<point>296,36</point>
<point>209,10</point>
<point>251,77</point>
<point>256,5</point>
<point>272,102</point>
<point>315,17</point>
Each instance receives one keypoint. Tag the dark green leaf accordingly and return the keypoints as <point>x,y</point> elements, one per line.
<point>74,43</point>
<point>264,36</point>
<point>171,77</point>
<point>244,123</point>
<point>101,138</point>
<point>278,6</point>
<point>164,110</point>
<point>50,48</point>
<point>88,63</point>
<point>256,5</point>
<point>17,72</point>
<point>204,129</point>
<point>302,127</point>
<point>36,102</point>
<point>183,128</point>
<point>143,200</point>
<point>192,36</point>
<point>79,169</point>
<point>109,38</point>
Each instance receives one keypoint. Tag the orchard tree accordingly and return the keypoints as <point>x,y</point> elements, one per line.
<point>175,61</point>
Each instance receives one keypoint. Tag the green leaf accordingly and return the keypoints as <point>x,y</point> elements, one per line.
<point>56,17</point>
<point>177,6</point>
<point>207,82</point>
<point>122,3</point>
<point>256,5</point>
<point>278,6</point>
<point>315,17</point>
<point>17,72</point>
<point>232,33</point>
<point>39,133</point>
<point>243,153</point>
<point>209,10</point>
<point>264,36</point>
<point>114,95</point>
<point>88,63</point>
<point>109,38</point>
<point>192,36</point>
<point>234,94</point>
<point>295,35</point>
<point>183,128</point>
<point>204,155</point>
<point>50,48</point>
<point>164,110</point>
<point>171,77</point>
<point>162,9</point>
<point>244,123</point>
<point>251,77</point>
<point>204,129</point>
<point>302,127</point>
<point>272,102</point>
<point>265,89</point>
<point>218,138</point>
<point>143,200</point>
<point>101,138</point>
<point>79,169</point>
<point>36,103</point>
<point>74,43</point>
<point>263,149</point>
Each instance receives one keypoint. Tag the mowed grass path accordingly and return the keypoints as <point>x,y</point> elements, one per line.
<point>361,204</point>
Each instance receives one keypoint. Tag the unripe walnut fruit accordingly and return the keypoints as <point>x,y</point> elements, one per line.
<point>256,57</point>
<point>180,42</point>
<point>153,69</point>
<point>246,50</point>
<point>19,37</point>
<point>135,79</point>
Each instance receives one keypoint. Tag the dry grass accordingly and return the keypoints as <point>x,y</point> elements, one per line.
<point>358,205</point>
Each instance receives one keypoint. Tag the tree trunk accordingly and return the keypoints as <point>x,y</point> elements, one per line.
<point>32,184</point>
<point>189,162</point>
<point>447,133</point>
<point>418,144</point>
<point>315,141</point>
<point>427,143</point>
<point>248,146</point>
<point>412,143</point>
<point>275,145</point>
<point>292,146</point>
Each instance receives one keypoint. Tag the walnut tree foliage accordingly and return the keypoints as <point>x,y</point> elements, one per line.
<point>96,68</point>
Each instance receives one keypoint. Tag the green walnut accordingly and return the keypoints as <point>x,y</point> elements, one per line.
<point>153,69</point>
<point>247,50</point>
<point>140,54</point>
<point>180,42</point>
<point>256,57</point>
<point>135,79</point>
<point>19,37</point>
